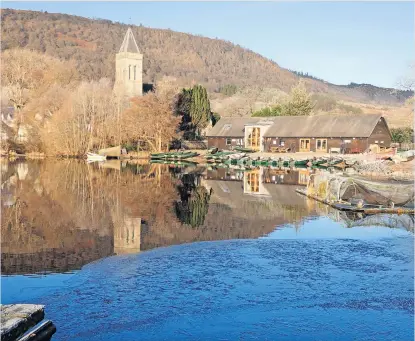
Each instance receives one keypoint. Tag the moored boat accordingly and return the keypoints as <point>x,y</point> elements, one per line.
<point>244,150</point>
<point>237,156</point>
<point>173,162</point>
<point>320,161</point>
<point>95,157</point>
<point>302,162</point>
<point>174,155</point>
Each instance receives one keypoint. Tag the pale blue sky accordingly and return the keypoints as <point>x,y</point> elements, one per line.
<point>341,42</point>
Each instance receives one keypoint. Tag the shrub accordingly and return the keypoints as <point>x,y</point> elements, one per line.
<point>402,135</point>
<point>275,110</point>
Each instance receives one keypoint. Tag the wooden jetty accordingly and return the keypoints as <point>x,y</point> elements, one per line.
<point>368,209</point>
<point>18,320</point>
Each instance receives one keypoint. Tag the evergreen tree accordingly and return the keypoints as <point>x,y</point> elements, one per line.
<point>299,103</point>
<point>200,108</point>
<point>183,108</point>
<point>194,203</point>
<point>194,106</point>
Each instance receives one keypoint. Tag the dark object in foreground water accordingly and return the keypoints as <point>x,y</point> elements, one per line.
<point>18,319</point>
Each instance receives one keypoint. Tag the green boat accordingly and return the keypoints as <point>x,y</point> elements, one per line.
<point>319,162</point>
<point>330,163</point>
<point>178,155</point>
<point>244,150</point>
<point>155,155</point>
<point>172,162</point>
<point>223,153</point>
<point>301,162</point>
<point>260,163</point>
<point>243,161</point>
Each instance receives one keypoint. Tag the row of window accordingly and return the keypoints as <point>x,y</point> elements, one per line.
<point>239,142</point>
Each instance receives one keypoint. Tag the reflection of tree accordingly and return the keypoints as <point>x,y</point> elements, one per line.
<point>55,223</point>
<point>194,202</point>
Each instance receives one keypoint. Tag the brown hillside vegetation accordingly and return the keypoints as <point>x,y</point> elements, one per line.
<point>92,44</point>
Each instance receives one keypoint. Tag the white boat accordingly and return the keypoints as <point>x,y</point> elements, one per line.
<point>237,156</point>
<point>95,157</point>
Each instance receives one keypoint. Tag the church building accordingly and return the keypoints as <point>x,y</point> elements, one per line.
<point>129,67</point>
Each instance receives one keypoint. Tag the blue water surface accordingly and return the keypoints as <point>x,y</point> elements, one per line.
<point>322,282</point>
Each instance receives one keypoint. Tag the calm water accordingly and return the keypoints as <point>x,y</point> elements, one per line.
<point>141,252</point>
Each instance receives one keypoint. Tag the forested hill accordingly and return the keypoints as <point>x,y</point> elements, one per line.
<point>211,62</point>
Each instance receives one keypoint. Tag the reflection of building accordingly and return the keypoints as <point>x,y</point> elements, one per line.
<point>127,236</point>
<point>254,203</point>
<point>253,183</point>
<point>287,176</point>
<point>224,174</point>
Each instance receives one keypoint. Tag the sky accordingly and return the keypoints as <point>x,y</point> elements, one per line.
<point>341,42</point>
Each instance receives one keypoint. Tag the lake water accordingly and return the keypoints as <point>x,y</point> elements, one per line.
<point>149,252</point>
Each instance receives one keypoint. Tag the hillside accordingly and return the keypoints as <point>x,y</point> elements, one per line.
<point>189,58</point>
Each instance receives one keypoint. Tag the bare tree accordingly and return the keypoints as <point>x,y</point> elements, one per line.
<point>28,77</point>
<point>85,121</point>
<point>151,119</point>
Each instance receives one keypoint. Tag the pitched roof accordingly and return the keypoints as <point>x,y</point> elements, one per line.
<point>234,127</point>
<point>231,193</point>
<point>301,126</point>
<point>324,126</point>
<point>129,44</point>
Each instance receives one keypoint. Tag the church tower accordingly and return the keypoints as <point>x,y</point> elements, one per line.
<point>129,67</point>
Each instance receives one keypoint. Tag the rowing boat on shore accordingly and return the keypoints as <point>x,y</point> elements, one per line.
<point>95,157</point>
<point>173,155</point>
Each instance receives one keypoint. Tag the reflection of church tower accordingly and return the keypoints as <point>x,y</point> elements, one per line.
<point>127,236</point>
<point>129,67</point>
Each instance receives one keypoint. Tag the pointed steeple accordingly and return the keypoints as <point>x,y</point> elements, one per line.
<point>129,67</point>
<point>129,44</point>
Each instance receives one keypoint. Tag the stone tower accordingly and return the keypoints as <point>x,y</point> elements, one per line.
<point>129,67</point>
